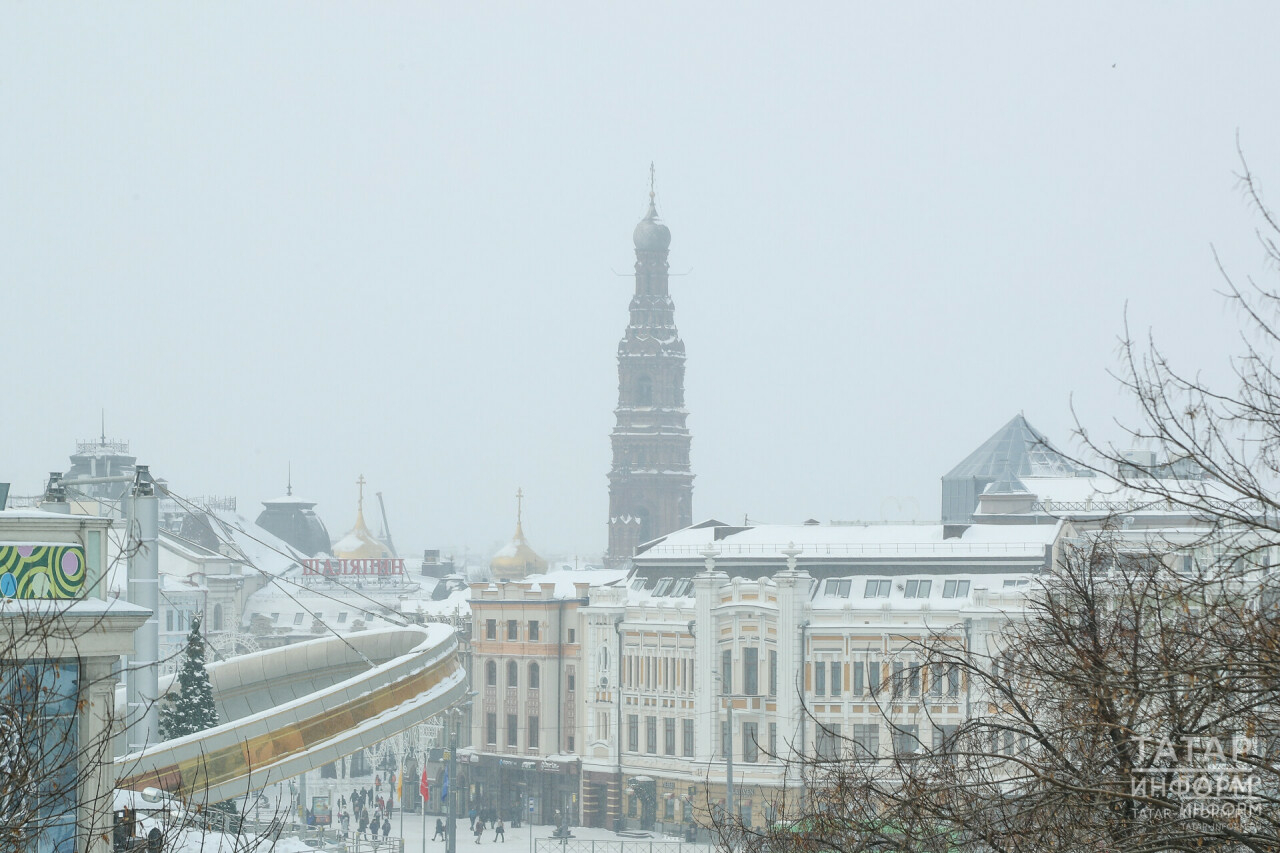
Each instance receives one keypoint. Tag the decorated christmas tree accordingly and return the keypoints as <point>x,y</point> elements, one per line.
<point>193,711</point>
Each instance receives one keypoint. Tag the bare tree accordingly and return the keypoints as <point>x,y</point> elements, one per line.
<point>1132,704</point>
<point>1131,707</point>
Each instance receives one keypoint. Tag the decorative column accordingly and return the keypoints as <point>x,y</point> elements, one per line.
<point>706,690</point>
<point>794,588</point>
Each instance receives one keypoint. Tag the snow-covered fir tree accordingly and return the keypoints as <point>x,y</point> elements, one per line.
<point>193,711</point>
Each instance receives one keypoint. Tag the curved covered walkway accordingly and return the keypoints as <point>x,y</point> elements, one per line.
<point>296,708</point>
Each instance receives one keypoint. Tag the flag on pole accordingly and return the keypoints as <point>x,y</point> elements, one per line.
<point>444,793</point>
<point>424,788</point>
<point>400,786</point>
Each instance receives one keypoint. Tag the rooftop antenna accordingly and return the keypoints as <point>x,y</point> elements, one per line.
<point>104,424</point>
<point>289,488</point>
<point>651,181</point>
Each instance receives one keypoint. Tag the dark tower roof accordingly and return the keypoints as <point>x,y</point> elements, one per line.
<point>650,234</point>
<point>294,520</point>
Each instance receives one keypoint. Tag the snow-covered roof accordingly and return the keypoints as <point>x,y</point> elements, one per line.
<point>1107,493</point>
<point>564,581</point>
<point>768,541</point>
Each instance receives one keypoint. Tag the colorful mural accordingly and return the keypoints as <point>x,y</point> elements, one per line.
<point>41,571</point>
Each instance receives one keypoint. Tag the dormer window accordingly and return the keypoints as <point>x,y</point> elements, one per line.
<point>918,588</point>
<point>837,588</point>
<point>876,589</point>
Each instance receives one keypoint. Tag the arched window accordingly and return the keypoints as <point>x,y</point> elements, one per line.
<point>513,674</point>
<point>491,674</point>
<point>644,391</point>
<point>534,676</point>
<point>217,617</point>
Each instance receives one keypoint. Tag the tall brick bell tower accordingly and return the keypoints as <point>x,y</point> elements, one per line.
<point>650,484</point>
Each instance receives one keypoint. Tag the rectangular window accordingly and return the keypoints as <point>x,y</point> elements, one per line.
<point>513,729</point>
<point>342,617</point>
<point>773,673</point>
<point>873,676</point>
<point>953,680</point>
<point>836,672</point>
<point>533,733</point>
<point>533,630</point>
<point>955,589</point>
<point>490,729</point>
<point>750,742</point>
<point>943,737</point>
<point>837,588</point>
<point>651,735</point>
<point>913,680</point>
<point>876,589</point>
<point>297,619</point>
<point>669,809</point>
<point>687,725</point>
<point>895,684</point>
<point>751,671</point>
<point>935,680</point>
<point>168,620</point>
<point>918,589</point>
<point>859,682</point>
<point>828,744</point>
<point>669,736</point>
<point>819,679</point>
<point>491,629</point>
<point>633,733</point>
<point>513,629</point>
<point>906,740</point>
<point>570,682</point>
<point>726,671</point>
<point>275,617</point>
<point>866,740</point>
<point>570,744</point>
<point>572,634</point>
<point>773,740</point>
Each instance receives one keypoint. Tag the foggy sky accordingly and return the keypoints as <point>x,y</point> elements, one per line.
<point>383,238</point>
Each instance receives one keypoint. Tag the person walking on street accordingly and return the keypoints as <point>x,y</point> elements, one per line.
<point>439,830</point>
<point>476,829</point>
<point>499,831</point>
<point>386,828</point>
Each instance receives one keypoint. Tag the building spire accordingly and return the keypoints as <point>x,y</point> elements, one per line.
<point>104,425</point>
<point>360,501</point>
<point>519,507</point>
<point>289,489</point>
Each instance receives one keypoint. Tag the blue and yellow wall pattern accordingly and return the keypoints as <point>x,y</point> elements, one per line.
<point>41,571</point>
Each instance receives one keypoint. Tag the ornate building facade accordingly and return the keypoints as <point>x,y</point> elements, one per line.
<point>650,483</point>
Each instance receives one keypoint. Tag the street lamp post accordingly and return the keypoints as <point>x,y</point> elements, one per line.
<point>451,828</point>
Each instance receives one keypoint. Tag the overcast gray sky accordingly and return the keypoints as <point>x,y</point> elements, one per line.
<point>382,239</point>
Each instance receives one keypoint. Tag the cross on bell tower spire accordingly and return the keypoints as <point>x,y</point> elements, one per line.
<point>360,501</point>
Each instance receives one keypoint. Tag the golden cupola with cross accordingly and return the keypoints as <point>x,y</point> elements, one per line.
<point>516,559</point>
<point>359,543</point>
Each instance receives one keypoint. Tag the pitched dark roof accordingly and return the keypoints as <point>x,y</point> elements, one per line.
<point>1016,450</point>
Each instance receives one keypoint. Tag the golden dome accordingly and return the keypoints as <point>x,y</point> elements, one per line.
<point>359,543</point>
<point>516,559</point>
